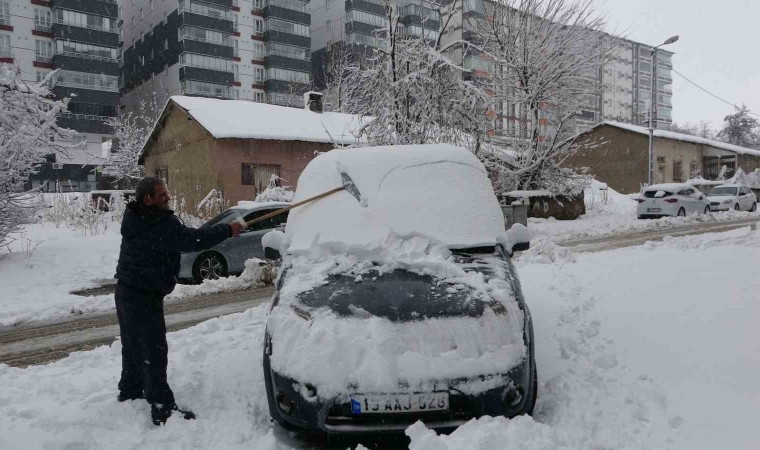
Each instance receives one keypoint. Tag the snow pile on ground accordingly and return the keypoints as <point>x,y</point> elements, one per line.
<point>609,212</point>
<point>48,263</point>
<point>381,353</point>
<point>545,252</point>
<point>251,277</point>
<point>401,188</point>
<point>637,348</point>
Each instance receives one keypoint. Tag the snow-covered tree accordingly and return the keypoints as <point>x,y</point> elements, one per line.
<point>740,128</point>
<point>28,132</point>
<point>413,92</point>
<point>544,58</point>
<point>130,130</point>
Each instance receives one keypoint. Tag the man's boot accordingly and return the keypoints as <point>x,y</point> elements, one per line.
<point>129,395</point>
<point>160,412</point>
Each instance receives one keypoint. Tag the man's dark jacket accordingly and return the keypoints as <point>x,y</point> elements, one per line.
<point>152,240</point>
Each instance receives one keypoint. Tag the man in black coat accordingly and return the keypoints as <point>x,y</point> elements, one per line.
<point>153,239</point>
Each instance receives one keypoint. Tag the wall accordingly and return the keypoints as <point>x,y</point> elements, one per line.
<point>230,154</point>
<point>186,150</point>
<point>674,151</point>
<point>614,156</point>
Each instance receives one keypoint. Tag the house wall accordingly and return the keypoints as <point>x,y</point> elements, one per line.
<point>620,157</point>
<point>183,153</point>
<point>231,154</point>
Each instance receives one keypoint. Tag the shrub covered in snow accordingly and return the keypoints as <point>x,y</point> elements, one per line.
<point>275,191</point>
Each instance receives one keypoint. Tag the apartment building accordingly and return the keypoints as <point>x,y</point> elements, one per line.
<point>256,50</point>
<point>355,24</point>
<point>80,38</point>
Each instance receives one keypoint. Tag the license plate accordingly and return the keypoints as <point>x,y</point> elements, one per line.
<point>399,403</point>
<point>653,209</point>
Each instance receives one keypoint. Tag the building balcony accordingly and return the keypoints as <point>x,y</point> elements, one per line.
<point>286,37</point>
<point>194,19</point>
<point>84,123</point>
<point>85,35</point>
<point>375,7</point>
<point>287,62</point>
<point>106,8</point>
<point>206,75</point>
<point>43,29</point>
<point>202,47</point>
<point>81,62</point>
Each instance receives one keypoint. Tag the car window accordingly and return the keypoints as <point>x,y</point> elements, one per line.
<point>684,193</point>
<point>267,224</point>
<point>224,217</point>
<point>657,194</point>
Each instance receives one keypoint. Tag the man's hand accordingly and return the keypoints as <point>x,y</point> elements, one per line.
<point>236,228</point>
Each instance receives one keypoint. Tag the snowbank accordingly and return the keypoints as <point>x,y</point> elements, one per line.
<point>439,192</point>
<point>251,277</point>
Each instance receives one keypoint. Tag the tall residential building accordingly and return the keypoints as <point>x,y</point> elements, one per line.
<point>80,38</point>
<point>255,50</point>
<point>355,23</point>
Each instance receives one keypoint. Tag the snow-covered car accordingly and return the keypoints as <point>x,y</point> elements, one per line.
<point>401,305</point>
<point>732,196</point>
<point>671,199</point>
<point>229,257</point>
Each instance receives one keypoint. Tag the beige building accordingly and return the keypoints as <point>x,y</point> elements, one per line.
<point>617,154</point>
<point>234,146</point>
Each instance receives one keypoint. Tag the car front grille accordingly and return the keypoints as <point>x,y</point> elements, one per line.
<point>714,204</point>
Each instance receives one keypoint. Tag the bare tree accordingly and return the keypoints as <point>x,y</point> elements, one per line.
<point>545,56</point>
<point>701,129</point>
<point>130,131</point>
<point>412,91</point>
<point>334,75</point>
<point>28,132</point>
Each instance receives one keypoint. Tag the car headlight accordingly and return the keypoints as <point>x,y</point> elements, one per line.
<point>726,202</point>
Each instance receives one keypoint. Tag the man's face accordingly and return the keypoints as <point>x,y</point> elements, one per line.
<point>159,199</point>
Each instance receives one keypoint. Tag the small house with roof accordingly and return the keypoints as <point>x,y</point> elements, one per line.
<point>234,146</point>
<point>618,154</point>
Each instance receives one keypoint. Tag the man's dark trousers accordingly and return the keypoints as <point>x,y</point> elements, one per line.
<point>143,339</point>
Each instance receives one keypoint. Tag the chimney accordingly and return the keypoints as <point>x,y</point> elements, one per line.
<point>313,101</point>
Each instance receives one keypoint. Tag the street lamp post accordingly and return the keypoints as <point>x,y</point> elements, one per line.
<point>652,103</point>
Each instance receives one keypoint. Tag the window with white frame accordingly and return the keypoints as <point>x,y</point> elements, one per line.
<point>42,20</point>
<point>259,96</point>
<point>287,27</point>
<point>206,62</point>
<point>276,73</point>
<point>258,26</point>
<point>5,45</point>
<point>258,51</point>
<point>43,50</point>
<point>258,75</point>
<point>5,13</point>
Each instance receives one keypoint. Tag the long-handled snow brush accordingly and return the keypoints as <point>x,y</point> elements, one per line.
<point>348,185</point>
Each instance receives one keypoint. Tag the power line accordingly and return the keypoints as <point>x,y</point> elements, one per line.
<point>710,93</point>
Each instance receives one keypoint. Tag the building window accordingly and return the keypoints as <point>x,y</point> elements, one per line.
<point>42,20</point>
<point>678,171</point>
<point>275,73</point>
<point>87,80</point>
<point>5,46</point>
<point>258,175</point>
<point>258,75</point>
<point>206,62</point>
<point>258,50</point>
<point>83,20</point>
<point>287,27</point>
<point>258,26</point>
<point>5,13</point>
<point>88,51</point>
<point>258,5</point>
<point>43,51</point>
<point>258,97</point>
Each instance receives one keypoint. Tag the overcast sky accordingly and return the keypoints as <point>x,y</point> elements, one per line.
<point>719,49</point>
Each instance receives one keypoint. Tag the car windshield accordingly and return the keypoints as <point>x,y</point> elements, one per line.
<point>657,194</point>
<point>723,191</point>
<point>224,217</point>
<point>401,295</point>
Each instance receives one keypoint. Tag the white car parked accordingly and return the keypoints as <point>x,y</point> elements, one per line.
<point>671,199</point>
<point>732,196</point>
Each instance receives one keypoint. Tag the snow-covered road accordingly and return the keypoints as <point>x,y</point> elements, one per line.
<point>647,347</point>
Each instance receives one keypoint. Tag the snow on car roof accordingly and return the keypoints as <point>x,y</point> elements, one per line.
<point>669,187</point>
<point>439,192</point>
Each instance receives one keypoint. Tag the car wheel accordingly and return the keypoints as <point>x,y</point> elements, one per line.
<point>753,208</point>
<point>681,212</point>
<point>707,210</point>
<point>736,207</point>
<point>209,266</point>
<point>640,217</point>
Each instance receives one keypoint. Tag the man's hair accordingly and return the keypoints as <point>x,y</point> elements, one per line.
<point>147,186</point>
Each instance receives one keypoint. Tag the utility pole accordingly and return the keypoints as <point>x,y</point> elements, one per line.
<point>653,106</point>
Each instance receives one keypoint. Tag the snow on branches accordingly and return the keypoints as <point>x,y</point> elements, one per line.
<point>414,93</point>
<point>275,191</point>
<point>130,131</point>
<point>28,132</point>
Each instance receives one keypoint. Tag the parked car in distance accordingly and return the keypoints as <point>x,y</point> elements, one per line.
<point>229,257</point>
<point>732,196</point>
<point>671,199</point>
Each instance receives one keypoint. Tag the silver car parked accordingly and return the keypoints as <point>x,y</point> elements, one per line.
<point>229,257</point>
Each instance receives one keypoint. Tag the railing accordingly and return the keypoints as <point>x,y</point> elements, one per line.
<point>88,56</point>
<point>294,5</point>
<point>93,87</point>
<point>228,43</point>
<point>70,115</point>
<point>207,67</point>
<point>43,28</point>
<point>222,14</point>
<point>88,26</point>
<point>258,33</point>
<point>5,20</point>
<point>43,59</point>
<point>288,55</point>
<point>206,93</point>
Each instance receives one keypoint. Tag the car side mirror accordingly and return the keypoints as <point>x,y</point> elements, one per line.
<point>273,243</point>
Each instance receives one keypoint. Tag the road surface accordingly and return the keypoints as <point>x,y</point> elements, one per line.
<point>43,342</point>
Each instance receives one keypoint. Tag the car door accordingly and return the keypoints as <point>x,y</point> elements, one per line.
<point>252,246</point>
<point>745,199</point>
<point>685,199</point>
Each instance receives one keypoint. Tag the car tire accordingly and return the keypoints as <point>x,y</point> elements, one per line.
<point>707,210</point>
<point>681,212</point>
<point>640,217</point>
<point>753,208</point>
<point>736,207</point>
<point>209,266</point>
